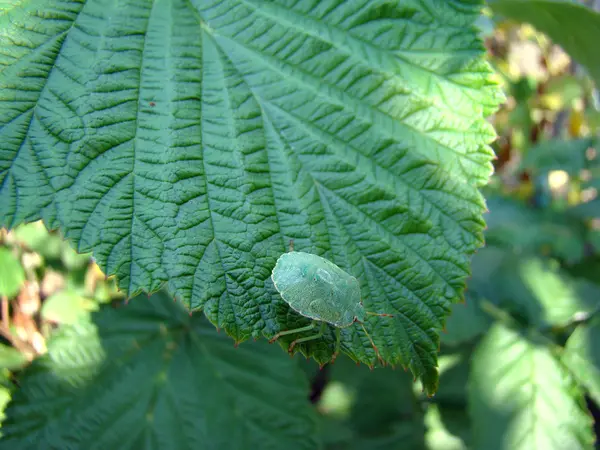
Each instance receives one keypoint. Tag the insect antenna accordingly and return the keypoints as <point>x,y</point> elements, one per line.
<point>373,344</point>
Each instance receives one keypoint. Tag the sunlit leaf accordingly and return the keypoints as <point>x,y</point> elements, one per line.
<point>582,357</point>
<point>521,397</point>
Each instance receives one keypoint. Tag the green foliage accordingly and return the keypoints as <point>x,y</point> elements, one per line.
<point>582,357</point>
<point>522,398</point>
<point>393,412</point>
<point>67,307</point>
<point>573,26</point>
<point>569,156</point>
<point>186,142</point>
<point>538,292</point>
<point>11,358</point>
<point>526,230</point>
<point>12,275</point>
<point>147,375</point>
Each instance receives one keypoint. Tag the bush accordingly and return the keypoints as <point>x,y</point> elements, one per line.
<point>185,144</point>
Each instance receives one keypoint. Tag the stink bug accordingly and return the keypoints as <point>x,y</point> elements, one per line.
<point>318,289</point>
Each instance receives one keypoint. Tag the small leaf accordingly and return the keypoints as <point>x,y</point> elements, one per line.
<point>36,237</point>
<point>521,397</point>
<point>582,357</point>
<point>11,358</point>
<point>147,375</point>
<point>67,307</point>
<point>12,274</point>
<point>574,27</point>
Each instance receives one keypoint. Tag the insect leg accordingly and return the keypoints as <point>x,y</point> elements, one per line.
<point>377,314</point>
<point>295,330</point>
<point>337,345</point>
<point>373,344</point>
<point>308,338</point>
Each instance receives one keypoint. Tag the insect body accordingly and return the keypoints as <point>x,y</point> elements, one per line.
<point>318,289</point>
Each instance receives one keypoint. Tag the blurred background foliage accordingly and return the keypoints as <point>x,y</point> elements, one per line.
<point>529,325</point>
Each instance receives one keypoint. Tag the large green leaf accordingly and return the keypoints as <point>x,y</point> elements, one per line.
<point>520,397</point>
<point>582,357</point>
<point>187,141</point>
<point>573,26</point>
<point>151,376</point>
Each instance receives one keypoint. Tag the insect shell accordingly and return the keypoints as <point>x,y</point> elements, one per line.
<point>318,289</point>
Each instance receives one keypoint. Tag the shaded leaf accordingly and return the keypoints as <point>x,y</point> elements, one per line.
<point>6,388</point>
<point>373,409</point>
<point>440,434</point>
<point>582,357</point>
<point>557,154</point>
<point>186,142</point>
<point>466,321</point>
<point>521,397</point>
<point>454,372</point>
<point>514,225</point>
<point>149,376</point>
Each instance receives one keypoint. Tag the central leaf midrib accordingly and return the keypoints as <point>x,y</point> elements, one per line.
<point>205,41</point>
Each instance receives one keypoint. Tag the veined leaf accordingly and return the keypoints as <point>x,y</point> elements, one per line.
<point>582,357</point>
<point>150,376</point>
<point>520,397</point>
<point>186,142</point>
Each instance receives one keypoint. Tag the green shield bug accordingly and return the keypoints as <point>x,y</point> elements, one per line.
<point>318,289</point>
